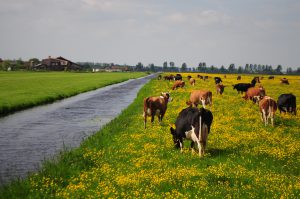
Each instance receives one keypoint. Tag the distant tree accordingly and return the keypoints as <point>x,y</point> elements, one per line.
<point>222,69</point>
<point>139,66</point>
<point>289,70</point>
<point>240,69</point>
<point>278,69</point>
<point>183,67</point>
<point>172,64</point>
<point>231,68</point>
<point>6,64</point>
<point>165,66</point>
<point>152,67</point>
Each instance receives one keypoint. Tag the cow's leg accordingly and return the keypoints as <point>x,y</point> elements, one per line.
<point>181,145</point>
<point>265,117</point>
<point>261,116</point>
<point>145,119</point>
<point>272,118</point>
<point>152,118</point>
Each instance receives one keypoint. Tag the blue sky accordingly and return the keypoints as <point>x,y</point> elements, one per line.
<point>218,32</point>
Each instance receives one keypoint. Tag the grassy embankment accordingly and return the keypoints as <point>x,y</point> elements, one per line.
<point>19,90</point>
<point>244,158</point>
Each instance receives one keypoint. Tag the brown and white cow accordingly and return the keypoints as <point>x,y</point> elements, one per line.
<point>156,106</point>
<point>178,84</point>
<point>192,81</point>
<point>200,96</point>
<point>284,81</point>
<point>267,107</point>
<point>220,88</point>
<point>254,93</point>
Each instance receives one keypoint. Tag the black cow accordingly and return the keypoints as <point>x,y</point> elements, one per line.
<point>193,124</point>
<point>287,103</point>
<point>218,80</point>
<point>178,77</point>
<point>243,87</point>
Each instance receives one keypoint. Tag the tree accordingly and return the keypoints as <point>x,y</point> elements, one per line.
<point>279,69</point>
<point>240,69</point>
<point>6,64</point>
<point>222,69</point>
<point>152,67</point>
<point>183,67</point>
<point>172,64</point>
<point>231,68</point>
<point>165,66</point>
<point>289,70</point>
<point>139,66</point>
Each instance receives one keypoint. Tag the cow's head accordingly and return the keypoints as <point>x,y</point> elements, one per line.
<point>167,96</point>
<point>234,86</point>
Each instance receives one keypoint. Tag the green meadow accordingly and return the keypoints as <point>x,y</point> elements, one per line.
<point>19,90</point>
<point>244,158</point>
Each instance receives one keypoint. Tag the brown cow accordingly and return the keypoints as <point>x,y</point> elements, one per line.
<point>156,106</point>
<point>254,93</point>
<point>239,77</point>
<point>267,107</point>
<point>178,84</point>
<point>192,81</point>
<point>220,88</point>
<point>284,81</point>
<point>200,96</point>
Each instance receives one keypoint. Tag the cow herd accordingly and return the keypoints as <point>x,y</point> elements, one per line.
<point>194,123</point>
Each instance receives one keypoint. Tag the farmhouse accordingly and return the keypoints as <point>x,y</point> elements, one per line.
<point>57,64</point>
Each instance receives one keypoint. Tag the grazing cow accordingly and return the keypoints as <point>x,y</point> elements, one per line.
<point>287,103</point>
<point>243,87</point>
<point>271,77</point>
<point>200,96</point>
<point>255,93</point>
<point>200,76</point>
<point>225,76</point>
<point>178,84</point>
<point>159,77</point>
<point>178,77</point>
<point>192,81</point>
<point>220,88</point>
<point>169,77</point>
<point>205,78</point>
<point>156,106</point>
<point>239,77</point>
<point>218,80</point>
<point>284,81</point>
<point>267,107</point>
<point>193,124</point>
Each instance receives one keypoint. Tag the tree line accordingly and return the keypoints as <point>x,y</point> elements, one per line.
<point>166,67</point>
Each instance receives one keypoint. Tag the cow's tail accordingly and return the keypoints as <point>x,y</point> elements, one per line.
<point>200,135</point>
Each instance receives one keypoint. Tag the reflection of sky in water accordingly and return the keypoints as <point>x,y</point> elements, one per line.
<point>27,137</point>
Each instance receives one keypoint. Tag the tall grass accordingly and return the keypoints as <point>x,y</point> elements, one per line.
<point>244,158</point>
<point>19,90</point>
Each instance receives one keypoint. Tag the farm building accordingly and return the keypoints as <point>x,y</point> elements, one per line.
<point>57,64</point>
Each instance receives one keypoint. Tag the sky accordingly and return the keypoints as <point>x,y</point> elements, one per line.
<point>218,32</point>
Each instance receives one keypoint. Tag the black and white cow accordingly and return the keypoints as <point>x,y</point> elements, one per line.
<point>218,80</point>
<point>287,103</point>
<point>193,124</point>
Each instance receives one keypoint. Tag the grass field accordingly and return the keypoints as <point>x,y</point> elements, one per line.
<point>244,159</point>
<point>19,90</point>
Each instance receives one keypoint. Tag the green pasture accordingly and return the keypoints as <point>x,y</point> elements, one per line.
<point>19,90</point>
<point>244,159</point>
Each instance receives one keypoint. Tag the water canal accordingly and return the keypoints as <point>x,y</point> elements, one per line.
<point>28,137</point>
